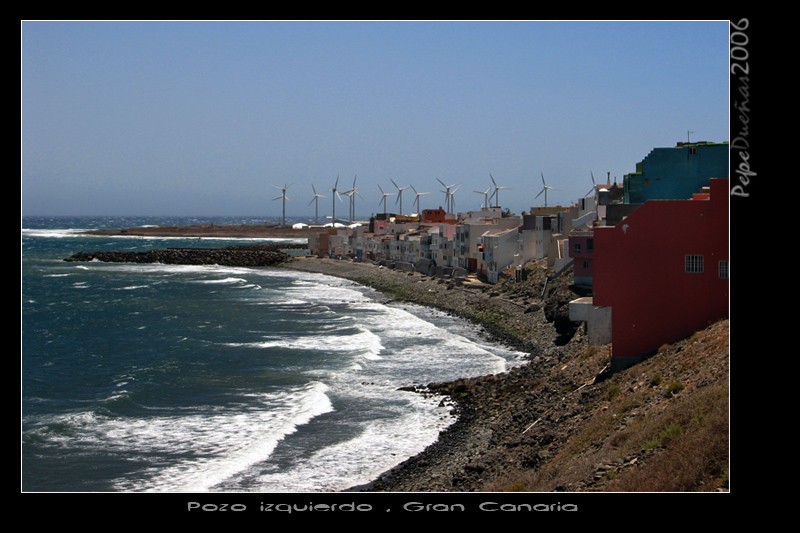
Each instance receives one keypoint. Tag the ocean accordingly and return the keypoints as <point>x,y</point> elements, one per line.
<point>171,378</point>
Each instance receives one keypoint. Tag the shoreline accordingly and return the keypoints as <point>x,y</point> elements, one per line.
<point>518,323</point>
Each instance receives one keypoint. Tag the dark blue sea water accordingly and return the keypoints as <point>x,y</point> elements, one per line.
<point>207,378</point>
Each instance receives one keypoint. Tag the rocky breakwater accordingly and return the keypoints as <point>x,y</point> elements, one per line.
<point>238,256</point>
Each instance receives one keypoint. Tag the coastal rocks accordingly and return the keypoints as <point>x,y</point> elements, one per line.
<point>239,256</point>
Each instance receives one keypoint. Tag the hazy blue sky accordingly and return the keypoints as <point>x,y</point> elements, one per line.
<point>193,118</point>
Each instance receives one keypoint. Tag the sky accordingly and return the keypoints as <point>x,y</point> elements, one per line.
<point>206,118</point>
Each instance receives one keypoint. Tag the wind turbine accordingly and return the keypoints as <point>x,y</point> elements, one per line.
<point>496,193</point>
<point>449,195</point>
<point>383,198</point>
<point>399,194</point>
<point>416,198</point>
<point>594,186</point>
<point>315,200</point>
<point>284,198</point>
<point>485,196</point>
<point>544,190</point>
<point>335,195</point>
<point>352,193</point>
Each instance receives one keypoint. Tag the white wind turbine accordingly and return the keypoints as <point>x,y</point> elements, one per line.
<point>544,190</point>
<point>593,190</point>
<point>485,196</point>
<point>335,195</point>
<point>449,195</point>
<point>383,198</point>
<point>352,193</point>
<point>399,194</point>
<point>315,201</point>
<point>496,193</point>
<point>284,198</point>
<point>416,198</point>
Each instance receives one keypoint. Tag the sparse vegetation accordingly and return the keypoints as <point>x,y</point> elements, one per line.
<point>655,381</point>
<point>674,388</point>
<point>612,391</point>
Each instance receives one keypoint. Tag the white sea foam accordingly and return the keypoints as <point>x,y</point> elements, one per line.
<point>132,287</point>
<point>57,275</point>
<point>221,281</point>
<point>364,343</point>
<point>82,233</point>
<point>53,233</point>
<point>380,445</point>
<point>204,446</point>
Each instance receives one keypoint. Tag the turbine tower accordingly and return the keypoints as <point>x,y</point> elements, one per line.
<point>335,195</point>
<point>315,201</point>
<point>399,194</point>
<point>449,195</point>
<point>496,193</point>
<point>544,190</point>
<point>284,198</point>
<point>383,198</point>
<point>416,198</point>
<point>352,193</point>
<point>485,196</point>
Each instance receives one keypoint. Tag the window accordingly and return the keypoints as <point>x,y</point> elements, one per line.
<point>694,264</point>
<point>586,264</point>
<point>577,247</point>
<point>723,269</point>
<point>590,245</point>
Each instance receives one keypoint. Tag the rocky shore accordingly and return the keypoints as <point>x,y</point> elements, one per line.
<point>241,256</point>
<point>561,422</point>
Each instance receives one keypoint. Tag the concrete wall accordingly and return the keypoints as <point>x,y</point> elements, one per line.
<point>598,319</point>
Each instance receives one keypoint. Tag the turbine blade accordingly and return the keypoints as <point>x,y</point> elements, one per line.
<point>540,193</point>
<point>543,182</point>
<point>443,185</point>
<point>493,182</point>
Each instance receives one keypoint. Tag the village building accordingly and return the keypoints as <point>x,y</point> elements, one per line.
<point>676,173</point>
<point>660,274</point>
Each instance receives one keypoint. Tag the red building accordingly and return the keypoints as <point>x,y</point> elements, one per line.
<point>435,215</point>
<point>581,250</point>
<point>663,270</point>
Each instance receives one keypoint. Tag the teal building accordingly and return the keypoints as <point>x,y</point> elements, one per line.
<point>676,173</point>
